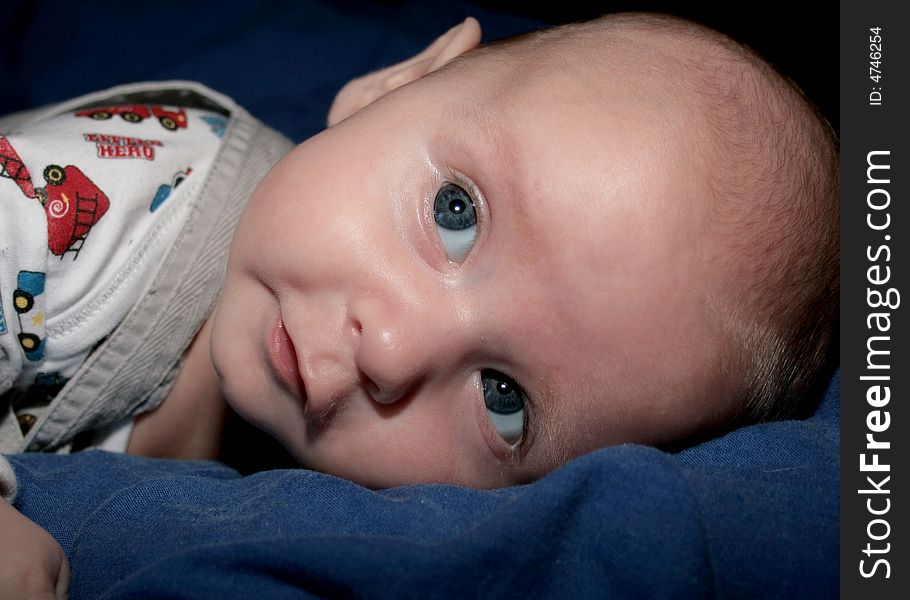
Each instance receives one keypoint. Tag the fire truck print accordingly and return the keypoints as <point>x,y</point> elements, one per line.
<point>29,305</point>
<point>136,113</point>
<point>164,190</point>
<point>72,203</point>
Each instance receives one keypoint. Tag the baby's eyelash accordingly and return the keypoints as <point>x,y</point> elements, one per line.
<point>517,452</point>
<point>469,186</point>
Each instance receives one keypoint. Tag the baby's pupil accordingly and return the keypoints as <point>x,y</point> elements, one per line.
<point>453,208</point>
<point>501,394</point>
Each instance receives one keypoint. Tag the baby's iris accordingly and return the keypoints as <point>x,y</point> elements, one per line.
<point>505,402</point>
<point>456,221</point>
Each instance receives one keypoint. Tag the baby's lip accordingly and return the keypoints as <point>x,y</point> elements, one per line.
<point>283,356</point>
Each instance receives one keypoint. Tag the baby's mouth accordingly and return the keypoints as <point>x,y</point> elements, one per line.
<point>284,360</point>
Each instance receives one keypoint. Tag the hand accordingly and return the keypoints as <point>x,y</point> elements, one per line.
<point>32,563</point>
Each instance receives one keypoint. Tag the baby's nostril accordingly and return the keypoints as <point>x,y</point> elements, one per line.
<point>373,390</point>
<point>380,396</point>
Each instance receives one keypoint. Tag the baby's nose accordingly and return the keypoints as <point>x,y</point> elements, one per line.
<point>391,352</point>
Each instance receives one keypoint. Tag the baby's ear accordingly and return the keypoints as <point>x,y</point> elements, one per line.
<point>359,92</point>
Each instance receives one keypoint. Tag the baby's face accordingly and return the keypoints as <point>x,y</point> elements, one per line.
<point>473,280</point>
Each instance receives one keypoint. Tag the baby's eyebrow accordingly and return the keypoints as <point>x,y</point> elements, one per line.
<point>508,166</point>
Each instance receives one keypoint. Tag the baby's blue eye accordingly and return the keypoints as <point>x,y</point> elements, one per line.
<point>505,403</point>
<point>456,221</point>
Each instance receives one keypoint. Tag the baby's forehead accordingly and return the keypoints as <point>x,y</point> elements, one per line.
<point>607,47</point>
<point>575,142</point>
<point>583,81</point>
<point>651,58</point>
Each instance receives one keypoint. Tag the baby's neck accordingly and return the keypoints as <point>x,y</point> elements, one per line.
<point>190,420</point>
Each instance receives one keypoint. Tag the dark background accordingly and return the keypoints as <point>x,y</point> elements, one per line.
<point>258,50</point>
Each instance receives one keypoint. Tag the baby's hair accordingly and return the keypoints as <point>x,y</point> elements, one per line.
<point>772,163</point>
<point>775,213</point>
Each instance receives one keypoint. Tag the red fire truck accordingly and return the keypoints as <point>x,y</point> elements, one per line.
<point>135,113</point>
<point>72,203</point>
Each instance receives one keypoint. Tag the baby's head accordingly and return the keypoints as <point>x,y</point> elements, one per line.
<point>498,259</point>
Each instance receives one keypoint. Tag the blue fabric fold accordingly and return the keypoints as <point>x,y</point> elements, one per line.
<point>750,514</point>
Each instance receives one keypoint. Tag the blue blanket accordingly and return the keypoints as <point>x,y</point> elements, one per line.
<point>751,514</point>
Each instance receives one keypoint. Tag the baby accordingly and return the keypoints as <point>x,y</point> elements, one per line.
<point>624,231</point>
<point>496,259</point>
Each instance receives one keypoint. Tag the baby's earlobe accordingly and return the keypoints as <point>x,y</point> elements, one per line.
<point>361,91</point>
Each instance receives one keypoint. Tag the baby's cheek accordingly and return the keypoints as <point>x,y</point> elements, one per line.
<point>384,454</point>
